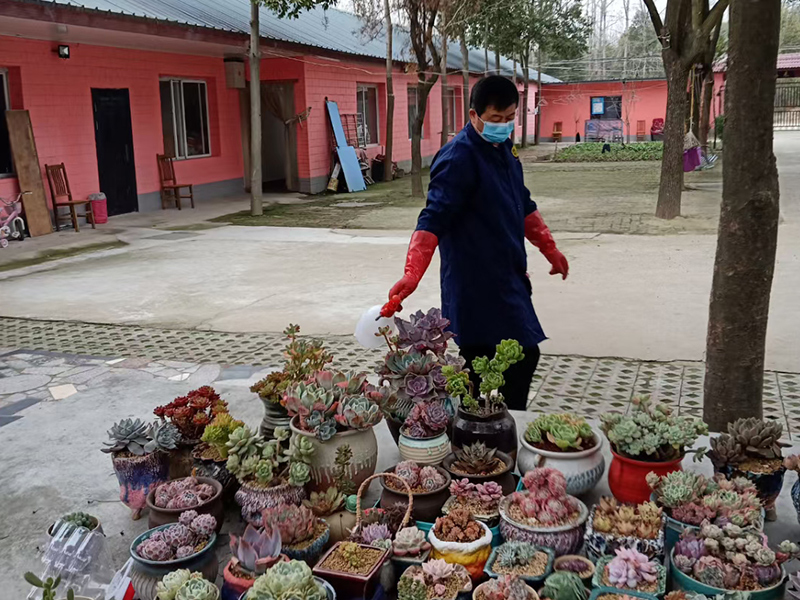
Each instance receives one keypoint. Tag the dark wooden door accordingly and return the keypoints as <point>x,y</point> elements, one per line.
<point>114,140</point>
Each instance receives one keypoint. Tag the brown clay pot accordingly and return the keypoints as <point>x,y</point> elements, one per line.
<point>505,479</point>
<point>180,460</point>
<point>214,507</point>
<point>427,505</point>
<point>497,430</point>
<point>350,585</point>
<point>340,522</point>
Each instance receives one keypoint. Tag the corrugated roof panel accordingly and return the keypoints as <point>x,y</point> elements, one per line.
<point>334,30</point>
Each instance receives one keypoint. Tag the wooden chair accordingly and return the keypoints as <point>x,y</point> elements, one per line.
<point>170,188</point>
<point>557,131</point>
<point>641,131</point>
<point>59,189</point>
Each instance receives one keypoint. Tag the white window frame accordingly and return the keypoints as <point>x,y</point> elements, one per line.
<point>7,97</point>
<point>175,116</point>
<point>363,87</point>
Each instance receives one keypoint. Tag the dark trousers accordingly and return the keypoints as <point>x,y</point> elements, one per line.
<point>518,377</point>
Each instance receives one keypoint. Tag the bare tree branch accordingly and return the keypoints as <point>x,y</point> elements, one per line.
<point>658,24</point>
<point>714,18</point>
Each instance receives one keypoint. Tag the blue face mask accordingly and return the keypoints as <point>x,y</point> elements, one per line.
<point>496,133</point>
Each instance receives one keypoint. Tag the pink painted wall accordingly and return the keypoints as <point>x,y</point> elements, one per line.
<point>58,95</point>
<point>646,100</point>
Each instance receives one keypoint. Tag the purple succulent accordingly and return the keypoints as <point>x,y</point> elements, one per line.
<point>374,532</point>
<point>424,331</point>
<point>416,430</point>
<point>439,379</point>
<point>767,575</point>
<point>418,386</point>
<point>690,546</point>
<point>435,416</point>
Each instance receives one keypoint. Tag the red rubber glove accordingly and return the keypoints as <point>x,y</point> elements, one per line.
<point>539,235</point>
<point>420,252</point>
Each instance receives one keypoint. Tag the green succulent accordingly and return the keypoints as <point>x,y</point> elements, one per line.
<point>218,432</point>
<point>507,353</point>
<point>242,442</point>
<point>291,580</point>
<point>409,588</point>
<point>197,588</point>
<point>264,472</point>
<point>564,585</point>
<point>80,519</point>
<point>128,435</point>
<point>299,474</point>
<point>171,583</point>
<point>565,436</point>
<point>301,449</point>
<point>48,586</point>
<point>515,554</point>
<point>163,436</point>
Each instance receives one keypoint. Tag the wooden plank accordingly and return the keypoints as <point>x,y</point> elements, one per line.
<point>29,174</point>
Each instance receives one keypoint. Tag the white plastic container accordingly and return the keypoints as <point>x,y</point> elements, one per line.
<point>368,325</point>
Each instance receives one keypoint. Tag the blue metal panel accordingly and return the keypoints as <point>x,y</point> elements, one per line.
<point>351,169</point>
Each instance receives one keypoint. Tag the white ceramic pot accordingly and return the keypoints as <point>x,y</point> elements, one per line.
<point>425,451</point>
<point>364,445</point>
<point>582,469</point>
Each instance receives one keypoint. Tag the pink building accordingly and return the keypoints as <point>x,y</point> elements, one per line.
<point>144,78</point>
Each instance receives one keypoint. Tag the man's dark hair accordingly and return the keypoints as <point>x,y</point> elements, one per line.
<point>495,91</point>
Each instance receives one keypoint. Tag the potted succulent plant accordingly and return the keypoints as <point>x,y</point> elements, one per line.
<point>428,485</point>
<point>190,414</point>
<point>185,585</point>
<point>329,410</point>
<point>434,579</point>
<point>168,500</point>
<point>564,585</point>
<point>49,586</point>
<point>409,548</point>
<point>480,463</point>
<point>544,514</point>
<point>303,535</point>
<point>292,579</point>
<point>352,568</point>
<point>522,559</point>
<point>304,357</point>
<point>485,418</point>
<point>269,473</point>
<point>631,570</point>
<point>752,449</point>
<point>78,519</point>
<point>139,454</point>
<point>716,560</point>
<point>457,537</point>
<point>506,587</point>
<point>690,498</point>
<point>792,463</point>
<point>411,371</point>
<point>576,564</point>
<point>423,437</point>
<point>649,439</point>
<point>481,500</point>
<point>211,454</point>
<point>565,442</point>
<point>337,504</point>
<point>612,525</point>
<point>251,555</point>
<point>609,593</point>
<point>188,544</point>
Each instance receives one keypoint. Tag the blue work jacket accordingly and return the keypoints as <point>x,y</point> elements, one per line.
<point>477,204</point>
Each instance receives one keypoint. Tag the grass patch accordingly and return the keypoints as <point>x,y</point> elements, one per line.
<point>593,152</point>
<point>59,253</point>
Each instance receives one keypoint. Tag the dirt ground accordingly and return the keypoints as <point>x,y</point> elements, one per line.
<point>573,197</point>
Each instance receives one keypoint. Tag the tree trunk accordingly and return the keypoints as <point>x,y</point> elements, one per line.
<point>387,163</point>
<point>671,186</point>
<point>465,77</point>
<point>706,100</point>
<point>256,183</point>
<point>525,90</point>
<point>748,225</point>
<point>445,137</point>
<point>416,140</point>
<point>538,117</point>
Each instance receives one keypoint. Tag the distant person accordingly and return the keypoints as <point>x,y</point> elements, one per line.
<point>479,213</point>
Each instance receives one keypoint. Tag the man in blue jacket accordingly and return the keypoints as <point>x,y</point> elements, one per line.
<point>479,213</point>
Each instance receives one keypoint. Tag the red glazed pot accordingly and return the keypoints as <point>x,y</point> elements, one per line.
<point>627,477</point>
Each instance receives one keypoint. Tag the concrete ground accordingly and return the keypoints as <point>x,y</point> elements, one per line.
<point>52,462</point>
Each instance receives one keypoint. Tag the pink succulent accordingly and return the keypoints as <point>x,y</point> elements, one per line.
<point>184,552</point>
<point>186,517</point>
<point>204,525</point>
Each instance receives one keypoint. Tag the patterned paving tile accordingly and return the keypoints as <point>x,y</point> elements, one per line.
<point>661,381</point>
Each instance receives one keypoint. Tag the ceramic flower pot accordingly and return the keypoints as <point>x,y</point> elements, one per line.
<point>427,505</point>
<point>533,580</point>
<point>340,522</point>
<point>491,518</point>
<point>137,475</point>
<point>598,594</point>
<point>582,469</point>
<point>769,486</point>
<point>145,574</point>
<point>329,591</point>
<point>350,585</point>
<point>215,469</point>
<point>424,451</point>
<point>497,430</point>
<point>181,462</point>
<point>505,478</point>
<point>213,506</point>
<point>563,539</point>
<point>275,415</point>
<point>599,574</point>
<point>309,551</point>
<point>481,592</point>
<point>473,555</point>
<point>627,477</point>
<point>232,586</point>
<point>254,499</point>
<point>363,444</point>
<point>681,581</point>
<point>590,569</point>
<point>599,543</point>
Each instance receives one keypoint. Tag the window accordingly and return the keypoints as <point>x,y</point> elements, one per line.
<point>606,107</point>
<point>184,116</point>
<point>368,109</point>
<point>412,110</point>
<point>452,110</point>
<point>6,164</point>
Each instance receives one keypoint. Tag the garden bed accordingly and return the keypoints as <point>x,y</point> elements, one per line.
<point>593,152</point>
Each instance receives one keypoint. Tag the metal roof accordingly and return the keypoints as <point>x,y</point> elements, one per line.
<point>331,29</point>
<point>788,61</point>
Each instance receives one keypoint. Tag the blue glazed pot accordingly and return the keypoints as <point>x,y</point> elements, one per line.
<point>596,593</point>
<point>137,475</point>
<point>682,581</point>
<point>310,553</point>
<point>531,580</point>
<point>769,485</point>
<point>599,572</point>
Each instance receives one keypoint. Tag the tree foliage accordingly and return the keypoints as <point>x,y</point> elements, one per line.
<point>291,9</point>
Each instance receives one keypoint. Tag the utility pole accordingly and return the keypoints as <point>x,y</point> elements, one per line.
<point>445,136</point>
<point>387,163</point>
<point>256,183</point>
<point>465,77</point>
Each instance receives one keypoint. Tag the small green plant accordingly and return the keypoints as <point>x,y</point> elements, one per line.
<point>564,585</point>
<point>250,458</point>
<point>290,579</point>
<point>80,519</point>
<point>48,587</point>
<point>508,352</point>
<point>350,552</point>
<point>138,438</point>
<point>218,432</point>
<point>565,430</point>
